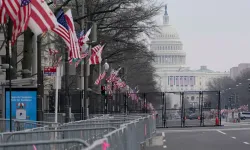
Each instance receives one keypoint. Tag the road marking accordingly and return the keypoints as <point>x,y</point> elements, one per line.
<point>204,130</point>
<point>221,132</point>
<point>246,143</point>
<point>233,137</point>
<point>165,146</point>
<point>164,140</point>
<point>163,134</point>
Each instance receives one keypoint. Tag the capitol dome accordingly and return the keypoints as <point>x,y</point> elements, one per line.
<point>167,46</point>
<point>167,31</point>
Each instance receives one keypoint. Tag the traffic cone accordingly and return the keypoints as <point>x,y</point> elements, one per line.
<point>217,121</point>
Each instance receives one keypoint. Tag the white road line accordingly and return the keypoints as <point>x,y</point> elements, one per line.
<point>163,134</point>
<point>246,143</point>
<point>165,146</point>
<point>164,140</point>
<point>233,137</point>
<point>204,130</point>
<point>221,132</point>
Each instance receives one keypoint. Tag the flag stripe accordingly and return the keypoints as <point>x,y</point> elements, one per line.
<point>42,19</point>
<point>21,22</point>
<point>74,45</point>
<point>12,8</point>
<point>3,13</point>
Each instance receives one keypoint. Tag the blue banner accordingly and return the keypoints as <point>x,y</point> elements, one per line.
<point>24,105</point>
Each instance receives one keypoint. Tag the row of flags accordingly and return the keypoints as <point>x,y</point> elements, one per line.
<point>37,15</point>
<point>242,108</point>
<point>114,82</point>
<point>181,80</point>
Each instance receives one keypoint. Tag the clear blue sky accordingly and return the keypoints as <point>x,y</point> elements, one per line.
<point>215,33</point>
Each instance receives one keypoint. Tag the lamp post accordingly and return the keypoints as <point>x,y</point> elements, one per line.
<point>106,68</point>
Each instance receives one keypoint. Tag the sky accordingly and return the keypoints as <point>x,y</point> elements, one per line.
<point>215,33</point>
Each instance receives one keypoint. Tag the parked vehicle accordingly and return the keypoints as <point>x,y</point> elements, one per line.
<point>193,116</point>
<point>244,115</point>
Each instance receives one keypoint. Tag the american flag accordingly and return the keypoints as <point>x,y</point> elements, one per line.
<point>42,18</point>
<point>19,15</point>
<point>3,14</point>
<point>119,83</point>
<point>74,45</point>
<point>133,94</point>
<point>113,75</point>
<point>83,55</point>
<point>57,62</point>
<point>84,38</point>
<point>53,51</point>
<point>109,88</point>
<point>99,79</point>
<point>96,57</point>
<point>95,49</point>
<point>62,29</point>
<point>12,8</point>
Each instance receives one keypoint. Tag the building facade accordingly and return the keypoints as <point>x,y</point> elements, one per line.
<point>237,71</point>
<point>170,64</point>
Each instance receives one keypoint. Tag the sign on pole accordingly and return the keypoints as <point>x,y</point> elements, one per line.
<point>49,71</point>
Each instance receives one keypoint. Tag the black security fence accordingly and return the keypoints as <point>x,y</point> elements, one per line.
<point>172,109</point>
<point>104,104</point>
<point>189,109</point>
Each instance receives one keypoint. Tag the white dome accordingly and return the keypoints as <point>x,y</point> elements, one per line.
<point>168,31</point>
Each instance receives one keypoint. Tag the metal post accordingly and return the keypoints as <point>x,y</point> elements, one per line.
<point>86,100</point>
<point>8,58</point>
<point>126,104</point>
<point>219,108</point>
<point>202,103</point>
<point>66,87</point>
<point>82,68</point>
<point>39,81</point>
<point>10,87</point>
<point>58,70</point>
<point>200,111</point>
<point>183,110</point>
<point>105,98</point>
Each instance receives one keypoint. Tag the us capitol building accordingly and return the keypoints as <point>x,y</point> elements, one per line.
<point>170,64</point>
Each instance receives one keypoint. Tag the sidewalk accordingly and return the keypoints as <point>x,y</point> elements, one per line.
<point>242,122</point>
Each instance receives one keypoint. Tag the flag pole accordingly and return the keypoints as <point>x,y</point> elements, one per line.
<point>82,67</point>
<point>58,68</point>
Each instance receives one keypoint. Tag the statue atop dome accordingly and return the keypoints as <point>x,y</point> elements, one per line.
<point>166,17</point>
<point>166,9</point>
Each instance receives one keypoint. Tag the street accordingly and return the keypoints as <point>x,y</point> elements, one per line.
<point>212,138</point>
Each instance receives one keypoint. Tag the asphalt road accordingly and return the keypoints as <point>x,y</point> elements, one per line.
<point>217,138</point>
<point>177,123</point>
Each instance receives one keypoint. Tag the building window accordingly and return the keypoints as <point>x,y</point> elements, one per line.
<point>192,98</point>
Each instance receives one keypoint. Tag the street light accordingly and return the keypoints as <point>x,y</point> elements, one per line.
<point>106,65</point>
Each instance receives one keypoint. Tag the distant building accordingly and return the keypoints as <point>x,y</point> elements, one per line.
<point>237,71</point>
<point>170,64</point>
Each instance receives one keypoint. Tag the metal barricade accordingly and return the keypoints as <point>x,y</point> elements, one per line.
<point>87,134</point>
<point>129,136</point>
<point>69,144</point>
<point>122,132</point>
<point>19,125</point>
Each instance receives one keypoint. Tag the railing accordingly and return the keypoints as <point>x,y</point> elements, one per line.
<point>19,125</point>
<point>121,132</point>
